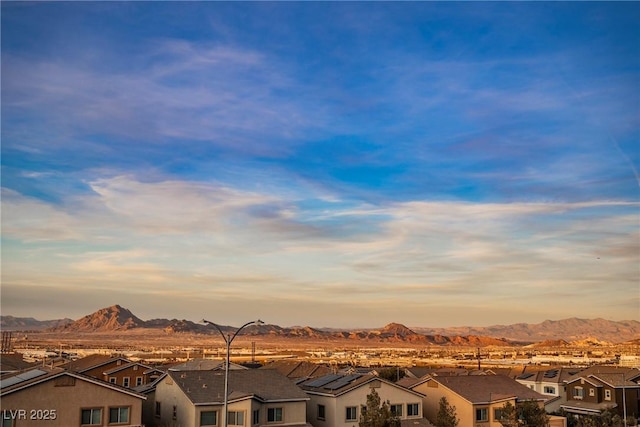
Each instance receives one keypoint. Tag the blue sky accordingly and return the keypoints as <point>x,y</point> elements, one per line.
<point>323,164</point>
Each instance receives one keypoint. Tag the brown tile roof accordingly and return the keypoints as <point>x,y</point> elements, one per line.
<point>612,375</point>
<point>487,388</point>
<point>207,387</point>
<point>91,361</point>
<point>12,362</point>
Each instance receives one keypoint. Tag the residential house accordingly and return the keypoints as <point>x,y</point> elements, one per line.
<point>600,388</point>
<point>130,375</point>
<point>337,400</point>
<point>95,365</point>
<point>550,383</point>
<point>478,399</point>
<point>56,397</point>
<point>257,397</point>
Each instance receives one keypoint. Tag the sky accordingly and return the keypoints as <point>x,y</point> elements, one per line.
<point>331,164</point>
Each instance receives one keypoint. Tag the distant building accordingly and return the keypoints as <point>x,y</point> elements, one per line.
<point>550,383</point>
<point>600,388</point>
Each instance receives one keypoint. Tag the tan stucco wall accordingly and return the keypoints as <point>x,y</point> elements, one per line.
<point>465,411</point>
<point>335,408</point>
<point>68,401</point>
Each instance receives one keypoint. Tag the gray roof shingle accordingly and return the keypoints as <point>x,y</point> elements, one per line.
<point>207,387</point>
<point>488,388</point>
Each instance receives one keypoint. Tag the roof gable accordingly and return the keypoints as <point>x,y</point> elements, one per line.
<point>479,389</point>
<point>336,384</point>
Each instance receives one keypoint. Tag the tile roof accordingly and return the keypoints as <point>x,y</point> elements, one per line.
<point>207,387</point>
<point>612,375</point>
<point>337,384</point>
<point>92,361</point>
<point>204,365</point>
<point>298,369</point>
<point>126,366</point>
<point>487,388</point>
<point>13,362</point>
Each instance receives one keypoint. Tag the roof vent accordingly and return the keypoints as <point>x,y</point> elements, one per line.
<point>204,386</point>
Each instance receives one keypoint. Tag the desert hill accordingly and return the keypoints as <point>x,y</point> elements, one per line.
<point>556,333</point>
<point>571,330</point>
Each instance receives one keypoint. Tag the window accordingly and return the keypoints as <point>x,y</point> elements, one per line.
<point>7,422</point>
<point>91,416</point>
<point>592,392</point>
<point>256,416</point>
<point>578,393</point>
<point>119,415</point>
<point>549,390</point>
<point>607,395</point>
<point>396,410</point>
<point>274,415</point>
<point>482,414</point>
<point>138,381</point>
<point>235,418</point>
<point>413,409</point>
<point>125,381</point>
<point>352,413</point>
<point>175,412</point>
<point>208,418</point>
<point>113,380</point>
<point>497,414</point>
<point>158,409</point>
<point>321,412</point>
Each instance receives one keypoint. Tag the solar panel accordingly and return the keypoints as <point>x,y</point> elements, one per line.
<point>525,376</point>
<point>323,380</point>
<point>343,382</point>
<point>25,376</point>
<point>551,374</point>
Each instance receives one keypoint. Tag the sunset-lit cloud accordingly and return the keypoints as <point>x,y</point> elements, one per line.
<point>324,164</point>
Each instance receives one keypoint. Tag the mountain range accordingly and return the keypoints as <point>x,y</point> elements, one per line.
<point>117,318</point>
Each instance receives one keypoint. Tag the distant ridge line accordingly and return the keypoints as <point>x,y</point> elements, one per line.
<point>592,331</point>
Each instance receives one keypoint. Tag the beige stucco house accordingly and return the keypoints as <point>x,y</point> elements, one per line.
<point>336,400</point>
<point>478,399</point>
<point>257,398</point>
<point>55,397</point>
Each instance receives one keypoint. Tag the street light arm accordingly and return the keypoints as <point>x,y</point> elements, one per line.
<point>254,322</point>
<point>224,337</point>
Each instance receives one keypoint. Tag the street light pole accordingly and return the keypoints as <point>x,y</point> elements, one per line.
<point>228,339</point>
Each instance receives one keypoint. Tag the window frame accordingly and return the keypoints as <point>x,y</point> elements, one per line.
<point>215,414</point>
<point>91,411</point>
<point>549,389</point>
<point>321,412</point>
<point>396,409</point>
<point>355,413</point>
<point>157,412</point>
<point>234,422</point>
<point>274,410</point>
<point>485,412</point>
<point>255,416</point>
<point>119,408</point>
<point>409,410</point>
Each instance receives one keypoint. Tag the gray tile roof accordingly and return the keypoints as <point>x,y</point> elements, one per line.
<point>488,388</point>
<point>207,387</point>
